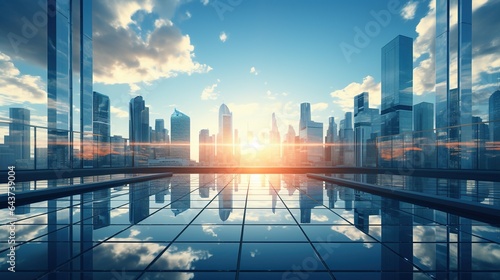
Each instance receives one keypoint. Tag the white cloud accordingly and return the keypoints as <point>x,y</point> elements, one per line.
<point>18,88</point>
<point>124,56</point>
<point>345,97</point>
<point>254,71</point>
<point>409,10</point>
<point>209,92</point>
<point>223,37</point>
<point>119,112</point>
<point>188,14</point>
<point>321,106</point>
<point>204,2</point>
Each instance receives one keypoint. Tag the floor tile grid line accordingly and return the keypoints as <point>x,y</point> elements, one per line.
<point>238,263</point>
<point>64,227</point>
<point>66,207</point>
<point>184,229</point>
<point>368,234</point>
<point>458,228</point>
<point>306,236</point>
<point>112,236</point>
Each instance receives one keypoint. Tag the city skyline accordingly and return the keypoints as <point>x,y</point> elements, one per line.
<point>264,90</point>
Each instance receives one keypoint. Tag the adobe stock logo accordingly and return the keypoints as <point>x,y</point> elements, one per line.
<point>363,37</point>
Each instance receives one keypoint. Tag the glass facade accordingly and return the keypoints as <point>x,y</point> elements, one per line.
<point>180,126</point>
<point>139,130</point>
<point>102,132</point>
<point>397,86</point>
<point>86,72</point>
<point>454,80</point>
<point>225,136</point>
<point>366,130</point>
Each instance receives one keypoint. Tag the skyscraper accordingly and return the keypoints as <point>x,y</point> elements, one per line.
<point>225,136</point>
<point>275,141</point>
<point>290,149</point>
<point>19,136</point>
<point>330,140</point>
<point>139,135</point>
<point>366,127</point>
<point>346,139</point>
<point>424,137</point>
<point>494,124</point>
<point>101,128</point>
<point>180,126</point>
<point>397,86</point>
<point>60,36</point>
<point>453,71</point>
<point>311,137</point>
<point>305,115</point>
<point>161,139</point>
<point>207,148</point>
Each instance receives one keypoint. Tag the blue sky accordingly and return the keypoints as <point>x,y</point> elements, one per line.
<point>258,57</point>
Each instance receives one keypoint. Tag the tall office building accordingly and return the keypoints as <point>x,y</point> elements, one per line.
<point>330,141</point>
<point>305,115</point>
<point>225,136</point>
<point>346,141</point>
<point>161,140</point>
<point>68,22</point>
<point>101,128</point>
<point>275,141</point>
<point>311,137</point>
<point>424,136</point>
<point>454,81</point>
<point>397,86</point>
<point>19,132</point>
<point>206,148</point>
<point>290,149</point>
<point>366,129</point>
<point>19,136</point>
<point>139,135</point>
<point>494,124</point>
<point>180,126</point>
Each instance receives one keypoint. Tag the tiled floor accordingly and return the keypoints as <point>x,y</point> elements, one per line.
<point>244,227</point>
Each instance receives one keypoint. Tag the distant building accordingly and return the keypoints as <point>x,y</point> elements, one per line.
<point>290,147</point>
<point>101,127</point>
<point>346,141</point>
<point>366,130</point>
<point>331,147</point>
<point>19,137</point>
<point>180,125</point>
<point>206,148</point>
<point>424,136</point>
<point>311,137</point>
<point>397,86</point>
<point>275,141</point>
<point>160,139</point>
<point>139,134</point>
<point>225,136</point>
<point>494,125</point>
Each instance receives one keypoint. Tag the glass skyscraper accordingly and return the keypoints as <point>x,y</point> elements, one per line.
<point>397,86</point>
<point>60,89</point>
<point>454,80</point>
<point>102,131</point>
<point>311,137</point>
<point>494,126</point>
<point>139,129</point>
<point>19,137</point>
<point>180,127</point>
<point>366,128</point>
<point>225,136</point>
<point>424,137</point>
